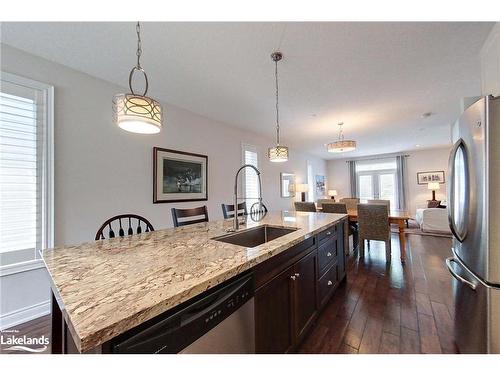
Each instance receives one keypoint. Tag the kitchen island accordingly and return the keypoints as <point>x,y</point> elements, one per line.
<point>105,288</point>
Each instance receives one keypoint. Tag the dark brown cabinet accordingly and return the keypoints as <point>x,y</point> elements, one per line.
<point>304,287</point>
<point>273,303</point>
<point>293,286</point>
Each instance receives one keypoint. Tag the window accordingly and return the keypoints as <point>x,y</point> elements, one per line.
<point>251,181</point>
<point>26,183</point>
<point>377,180</point>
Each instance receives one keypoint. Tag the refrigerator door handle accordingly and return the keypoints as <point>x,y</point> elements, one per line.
<point>459,145</point>
<point>449,262</point>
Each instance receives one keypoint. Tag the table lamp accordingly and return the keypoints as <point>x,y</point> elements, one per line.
<point>302,188</point>
<point>433,186</point>
<point>332,194</point>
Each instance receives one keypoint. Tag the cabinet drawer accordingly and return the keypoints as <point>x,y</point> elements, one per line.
<point>327,253</point>
<point>327,234</point>
<point>327,284</point>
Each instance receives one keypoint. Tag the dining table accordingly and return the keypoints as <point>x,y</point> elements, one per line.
<point>397,217</point>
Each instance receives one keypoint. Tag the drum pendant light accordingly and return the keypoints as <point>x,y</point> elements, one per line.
<point>133,112</point>
<point>278,153</point>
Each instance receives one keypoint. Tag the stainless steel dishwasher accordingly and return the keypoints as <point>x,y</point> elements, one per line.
<point>221,320</point>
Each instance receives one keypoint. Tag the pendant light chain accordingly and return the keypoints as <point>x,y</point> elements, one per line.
<point>341,131</point>
<point>139,44</point>
<point>277,104</point>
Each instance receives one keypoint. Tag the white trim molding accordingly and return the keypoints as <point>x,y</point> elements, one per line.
<point>25,314</point>
<point>21,267</point>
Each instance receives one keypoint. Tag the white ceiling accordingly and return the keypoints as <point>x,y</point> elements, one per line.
<point>378,78</point>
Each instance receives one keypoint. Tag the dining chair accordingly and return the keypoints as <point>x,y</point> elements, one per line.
<point>305,206</point>
<point>187,216</point>
<point>380,201</point>
<point>321,202</point>
<point>334,208</point>
<point>130,221</point>
<point>373,224</point>
<point>228,210</point>
<point>351,203</point>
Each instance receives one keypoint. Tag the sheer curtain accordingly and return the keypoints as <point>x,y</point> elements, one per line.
<point>353,178</point>
<point>402,181</point>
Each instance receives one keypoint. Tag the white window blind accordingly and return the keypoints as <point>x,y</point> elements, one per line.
<point>25,169</point>
<point>251,184</point>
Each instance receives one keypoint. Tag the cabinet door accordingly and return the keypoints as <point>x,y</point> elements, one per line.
<point>304,286</point>
<point>273,320</point>
<point>341,250</point>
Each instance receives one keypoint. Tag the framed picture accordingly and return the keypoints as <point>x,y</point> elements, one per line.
<point>287,185</point>
<point>320,186</point>
<point>423,178</point>
<point>179,176</point>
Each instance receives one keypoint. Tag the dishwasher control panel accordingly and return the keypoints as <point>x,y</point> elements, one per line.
<point>173,331</point>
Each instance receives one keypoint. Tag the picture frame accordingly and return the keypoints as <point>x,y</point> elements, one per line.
<point>423,178</point>
<point>320,185</point>
<point>287,185</point>
<point>179,176</point>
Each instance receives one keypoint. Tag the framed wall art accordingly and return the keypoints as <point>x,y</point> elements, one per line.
<point>179,176</point>
<point>423,178</point>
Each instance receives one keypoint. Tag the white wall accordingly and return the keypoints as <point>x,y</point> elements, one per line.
<point>101,171</point>
<point>490,63</point>
<point>418,161</point>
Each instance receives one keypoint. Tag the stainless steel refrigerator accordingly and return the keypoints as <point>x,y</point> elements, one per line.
<point>474,217</point>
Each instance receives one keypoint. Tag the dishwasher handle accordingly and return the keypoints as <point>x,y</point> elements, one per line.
<point>449,262</point>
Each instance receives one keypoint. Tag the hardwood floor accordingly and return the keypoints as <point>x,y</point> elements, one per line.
<point>390,308</point>
<point>381,308</point>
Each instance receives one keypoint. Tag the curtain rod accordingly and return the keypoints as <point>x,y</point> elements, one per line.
<point>377,157</point>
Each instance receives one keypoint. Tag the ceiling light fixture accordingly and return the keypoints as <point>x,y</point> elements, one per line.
<point>133,112</point>
<point>279,153</point>
<point>341,145</point>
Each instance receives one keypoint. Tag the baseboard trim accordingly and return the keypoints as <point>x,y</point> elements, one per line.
<point>24,315</point>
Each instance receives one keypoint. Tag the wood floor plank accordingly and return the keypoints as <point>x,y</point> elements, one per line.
<point>444,325</point>
<point>429,340</point>
<point>389,343</point>
<point>423,303</point>
<point>372,335</point>
<point>409,315</point>
<point>346,349</point>
<point>409,342</point>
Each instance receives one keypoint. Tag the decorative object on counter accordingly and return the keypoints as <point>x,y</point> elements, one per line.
<point>278,153</point>
<point>228,210</point>
<point>305,206</point>
<point>341,145</point>
<point>185,213</point>
<point>137,113</point>
<point>433,186</point>
<point>131,222</point>
<point>303,189</point>
<point>320,186</point>
<point>179,176</point>
<point>287,183</point>
<point>423,178</point>
<point>332,194</point>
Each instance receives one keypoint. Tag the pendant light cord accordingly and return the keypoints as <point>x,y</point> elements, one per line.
<point>277,104</point>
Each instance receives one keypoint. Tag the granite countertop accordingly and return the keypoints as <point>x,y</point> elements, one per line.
<point>107,287</point>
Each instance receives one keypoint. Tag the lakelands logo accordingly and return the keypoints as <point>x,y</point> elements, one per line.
<point>10,342</point>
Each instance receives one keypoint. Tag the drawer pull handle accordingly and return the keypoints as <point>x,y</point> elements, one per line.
<point>297,274</point>
<point>328,254</point>
<point>328,233</point>
<point>293,277</point>
<point>330,283</point>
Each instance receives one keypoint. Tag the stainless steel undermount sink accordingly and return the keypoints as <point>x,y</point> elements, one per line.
<point>255,236</point>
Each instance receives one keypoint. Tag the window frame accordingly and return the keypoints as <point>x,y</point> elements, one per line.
<point>47,184</point>
<point>252,148</point>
